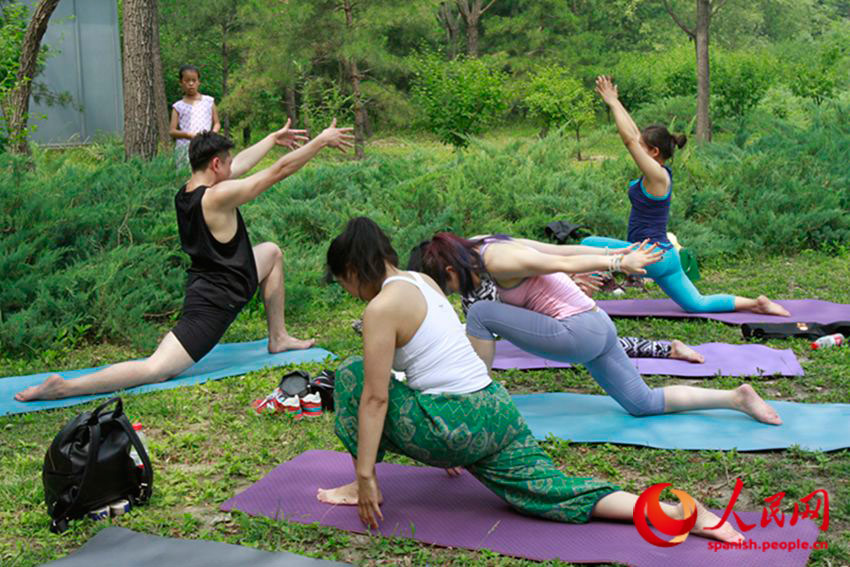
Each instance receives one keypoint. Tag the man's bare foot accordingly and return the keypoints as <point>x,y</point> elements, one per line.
<point>749,402</point>
<point>53,387</point>
<point>768,307</point>
<point>287,342</point>
<point>346,495</point>
<point>681,351</point>
<point>706,519</point>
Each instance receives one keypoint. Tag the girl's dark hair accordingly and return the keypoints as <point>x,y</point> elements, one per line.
<point>658,136</point>
<point>446,249</point>
<point>184,68</point>
<point>362,248</point>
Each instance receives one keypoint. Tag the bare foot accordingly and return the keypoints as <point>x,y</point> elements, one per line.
<point>706,519</point>
<point>681,351</point>
<point>287,342</point>
<point>768,307</point>
<point>749,402</point>
<point>53,387</point>
<point>346,495</point>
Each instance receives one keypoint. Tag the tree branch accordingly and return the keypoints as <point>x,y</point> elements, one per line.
<point>488,6</point>
<point>463,7</point>
<point>676,19</point>
<point>719,5</point>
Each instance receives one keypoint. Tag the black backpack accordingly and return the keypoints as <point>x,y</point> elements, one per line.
<point>88,466</point>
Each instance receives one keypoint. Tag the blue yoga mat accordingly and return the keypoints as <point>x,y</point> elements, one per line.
<point>229,359</point>
<point>587,418</point>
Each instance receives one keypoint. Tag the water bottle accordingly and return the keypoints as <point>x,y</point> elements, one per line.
<point>137,427</point>
<point>828,341</point>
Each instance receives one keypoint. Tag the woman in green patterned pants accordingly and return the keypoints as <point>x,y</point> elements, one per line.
<point>449,413</point>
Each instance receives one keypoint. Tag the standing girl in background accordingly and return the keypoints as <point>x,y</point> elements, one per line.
<point>193,113</point>
<point>650,196</point>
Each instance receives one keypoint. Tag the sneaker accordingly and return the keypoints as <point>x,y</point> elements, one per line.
<point>291,406</point>
<point>311,405</point>
<point>269,404</point>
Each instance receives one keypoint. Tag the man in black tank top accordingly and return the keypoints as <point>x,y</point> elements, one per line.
<point>226,270</point>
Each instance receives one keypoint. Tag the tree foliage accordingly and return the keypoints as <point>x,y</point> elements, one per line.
<point>560,100</point>
<point>459,98</point>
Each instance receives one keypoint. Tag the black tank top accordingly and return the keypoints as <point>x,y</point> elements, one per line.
<point>223,273</point>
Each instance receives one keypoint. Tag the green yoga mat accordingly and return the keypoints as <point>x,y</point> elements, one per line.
<point>599,419</point>
<point>229,359</point>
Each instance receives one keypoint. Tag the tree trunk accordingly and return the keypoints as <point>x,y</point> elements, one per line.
<point>703,74</point>
<point>291,106</point>
<point>699,35</point>
<point>19,98</point>
<point>162,114</point>
<point>578,142</point>
<point>451,22</point>
<point>225,64</point>
<point>354,76</point>
<point>472,14</point>
<point>140,124</point>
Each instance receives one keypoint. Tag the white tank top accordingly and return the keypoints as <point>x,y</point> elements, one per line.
<point>439,359</point>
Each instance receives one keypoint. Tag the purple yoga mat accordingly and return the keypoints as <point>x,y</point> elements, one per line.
<point>720,359</point>
<point>426,504</point>
<point>802,310</point>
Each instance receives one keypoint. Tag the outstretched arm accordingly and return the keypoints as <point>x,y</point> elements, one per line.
<point>510,261</point>
<point>569,249</point>
<point>656,180</point>
<point>245,160</point>
<point>235,192</point>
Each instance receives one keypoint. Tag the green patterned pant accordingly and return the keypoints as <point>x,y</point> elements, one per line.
<point>482,432</point>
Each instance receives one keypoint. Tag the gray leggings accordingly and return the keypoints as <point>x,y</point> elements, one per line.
<point>588,338</point>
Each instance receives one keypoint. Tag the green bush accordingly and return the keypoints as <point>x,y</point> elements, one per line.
<point>458,99</point>
<point>739,81</point>
<point>560,100</point>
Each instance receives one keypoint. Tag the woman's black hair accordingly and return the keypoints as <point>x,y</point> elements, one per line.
<point>446,250</point>
<point>658,136</point>
<point>362,249</point>
<point>184,68</point>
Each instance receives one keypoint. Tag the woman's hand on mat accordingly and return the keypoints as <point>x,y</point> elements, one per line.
<point>634,261</point>
<point>607,89</point>
<point>454,471</point>
<point>588,283</point>
<point>340,138</point>
<point>369,501</point>
<point>289,138</point>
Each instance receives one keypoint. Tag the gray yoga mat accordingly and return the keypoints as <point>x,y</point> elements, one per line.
<point>120,547</point>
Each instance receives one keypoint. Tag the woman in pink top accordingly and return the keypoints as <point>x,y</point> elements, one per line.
<point>193,113</point>
<point>542,311</point>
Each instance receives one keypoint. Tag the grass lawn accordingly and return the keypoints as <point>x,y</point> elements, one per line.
<point>207,444</point>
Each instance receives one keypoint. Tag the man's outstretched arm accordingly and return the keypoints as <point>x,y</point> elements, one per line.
<point>245,160</point>
<point>236,192</point>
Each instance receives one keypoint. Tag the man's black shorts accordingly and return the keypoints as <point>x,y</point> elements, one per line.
<point>202,324</point>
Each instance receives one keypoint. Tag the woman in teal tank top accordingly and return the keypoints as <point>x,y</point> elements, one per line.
<point>650,197</point>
